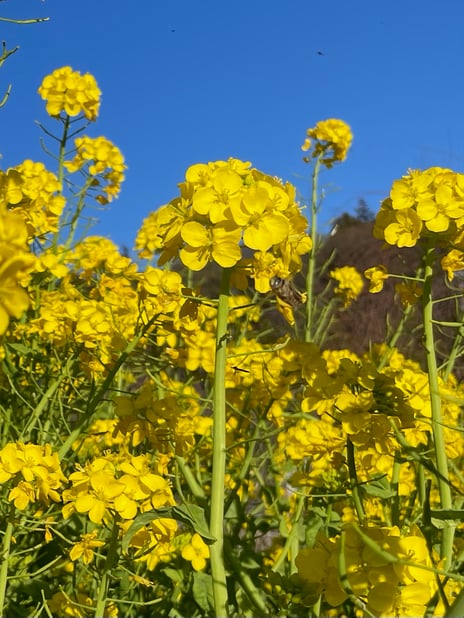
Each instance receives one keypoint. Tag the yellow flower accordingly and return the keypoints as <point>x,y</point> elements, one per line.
<point>410,292</point>
<point>406,229</point>
<point>350,283</point>
<point>62,605</point>
<point>68,91</point>
<point>16,262</point>
<point>196,552</point>
<point>332,138</point>
<point>222,206</point>
<point>423,204</point>
<point>84,548</point>
<point>22,494</point>
<point>104,160</point>
<point>376,275</point>
<point>452,262</point>
<point>93,493</point>
<point>219,243</point>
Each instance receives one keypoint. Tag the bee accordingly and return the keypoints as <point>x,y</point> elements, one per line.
<point>286,291</point>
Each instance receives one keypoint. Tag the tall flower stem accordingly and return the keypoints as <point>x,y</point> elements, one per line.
<point>309,325</point>
<point>435,402</point>
<point>4,559</point>
<point>110,562</point>
<point>219,453</point>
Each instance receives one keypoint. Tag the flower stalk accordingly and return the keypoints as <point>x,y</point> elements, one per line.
<point>435,402</point>
<point>6,545</point>
<point>219,453</point>
<point>110,562</point>
<point>309,325</point>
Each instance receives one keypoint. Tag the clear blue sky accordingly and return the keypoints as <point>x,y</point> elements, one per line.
<point>188,81</point>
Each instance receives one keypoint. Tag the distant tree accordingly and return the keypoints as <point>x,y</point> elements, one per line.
<point>363,212</point>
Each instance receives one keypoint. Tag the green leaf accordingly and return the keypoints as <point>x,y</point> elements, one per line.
<point>194,516</point>
<point>446,517</point>
<point>453,514</point>
<point>379,487</point>
<point>20,348</point>
<point>203,591</point>
<point>174,575</point>
<point>190,514</point>
<point>143,519</point>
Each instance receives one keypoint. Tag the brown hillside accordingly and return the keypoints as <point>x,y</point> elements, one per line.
<point>366,320</point>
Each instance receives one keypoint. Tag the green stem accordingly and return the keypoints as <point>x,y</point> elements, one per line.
<point>110,562</point>
<point>6,545</point>
<point>358,505</point>
<point>394,338</point>
<point>291,545</point>
<point>219,454</point>
<point>45,400</point>
<point>308,335</point>
<point>95,399</point>
<point>194,486</point>
<point>453,355</point>
<point>435,402</point>
<point>253,593</point>
<point>60,174</point>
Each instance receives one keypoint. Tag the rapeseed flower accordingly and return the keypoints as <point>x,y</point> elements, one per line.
<point>85,547</point>
<point>196,552</point>
<point>330,139</point>
<point>376,276</point>
<point>350,284</point>
<point>39,467</point>
<point>423,204</point>
<point>223,207</point>
<point>70,92</point>
<point>104,162</point>
<point>35,193</point>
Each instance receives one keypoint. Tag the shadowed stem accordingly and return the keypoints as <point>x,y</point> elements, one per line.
<point>4,559</point>
<point>309,326</point>
<point>219,454</point>
<point>435,402</point>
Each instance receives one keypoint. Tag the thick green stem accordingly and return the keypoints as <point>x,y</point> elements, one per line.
<point>110,562</point>
<point>309,326</point>
<point>7,535</point>
<point>356,494</point>
<point>435,402</point>
<point>219,454</point>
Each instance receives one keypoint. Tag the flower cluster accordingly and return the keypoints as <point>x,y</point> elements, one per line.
<point>35,193</point>
<point>347,397</point>
<point>16,262</point>
<point>111,484</point>
<point>350,284</point>
<point>389,572</point>
<point>426,204</point>
<point>330,139</point>
<point>168,423</point>
<point>95,306</point>
<point>35,471</point>
<point>423,204</point>
<point>223,205</point>
<point>70,92</point>
<point>103,160</point>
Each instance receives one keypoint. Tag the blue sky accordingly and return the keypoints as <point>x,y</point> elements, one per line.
<point>186,82</point>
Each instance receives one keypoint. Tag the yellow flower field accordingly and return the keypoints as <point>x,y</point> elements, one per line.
<point>179,436</point>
